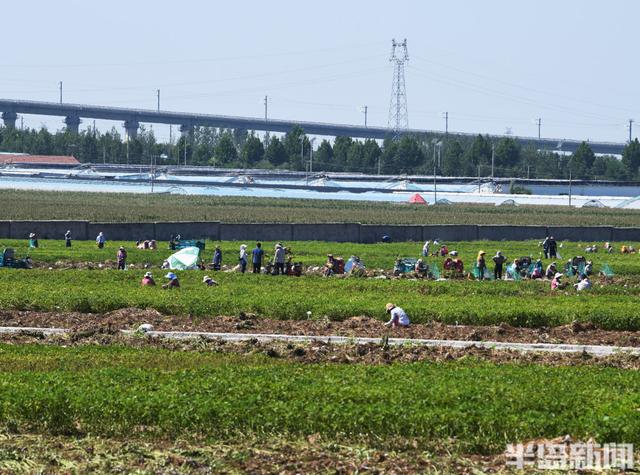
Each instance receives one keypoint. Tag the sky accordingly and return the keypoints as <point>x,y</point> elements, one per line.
<point>495,66</point>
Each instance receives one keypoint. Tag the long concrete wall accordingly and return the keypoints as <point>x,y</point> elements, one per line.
<point>331,232</point>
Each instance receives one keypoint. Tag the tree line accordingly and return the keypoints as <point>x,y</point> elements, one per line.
<point>408,154</point>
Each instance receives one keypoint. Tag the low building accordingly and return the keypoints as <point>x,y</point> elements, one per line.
<point>19,158</point>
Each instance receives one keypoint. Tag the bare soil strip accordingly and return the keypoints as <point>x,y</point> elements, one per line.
<point>131,318</point>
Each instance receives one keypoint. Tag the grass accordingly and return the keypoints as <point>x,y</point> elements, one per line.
<point>122,207</point>
<point>116,391</point>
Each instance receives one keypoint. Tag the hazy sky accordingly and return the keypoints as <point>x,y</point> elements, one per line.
<point>492,64</point>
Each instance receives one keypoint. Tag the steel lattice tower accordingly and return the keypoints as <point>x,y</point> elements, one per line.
<point>398,115</point>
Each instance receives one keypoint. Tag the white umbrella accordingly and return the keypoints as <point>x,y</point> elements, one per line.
<point>184,259</point>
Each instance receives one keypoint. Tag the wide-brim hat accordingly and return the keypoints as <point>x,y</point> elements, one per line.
<point>558,275</point>
<point>390,306</point>
<point>171,276</point>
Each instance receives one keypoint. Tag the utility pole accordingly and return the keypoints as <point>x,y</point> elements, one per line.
<point>158,92</point>
<point>446,124</point>
<point>266,119</point>
<point>21,123</point>
<point>631,121</point>
<point>570,188</point>
<point>366,108</point>
<point>539,126</point>
<point>478,178</point>
<point>60,85</point>
<point>435,185</point>
<point>185,150</point>
<point>493,158</point>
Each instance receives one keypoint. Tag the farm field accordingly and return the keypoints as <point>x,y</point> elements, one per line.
<point>123,207</point>
<point>314,253</point>
<point>528,304</point>
<point>609,305</point>
<point>207,398</point>
<point>89,400</point>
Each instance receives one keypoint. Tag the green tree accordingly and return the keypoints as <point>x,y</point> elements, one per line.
<point>453,158</point>
<point>252,151</point>
<point>323,157</point>
<point>275,153</point>
<point>225,151</point>
<point>507,153</point>
<point>341,146</point>
<point>631,158</point>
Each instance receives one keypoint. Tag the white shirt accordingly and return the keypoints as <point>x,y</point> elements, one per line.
<point>400,316</point>
<point>584,285</point>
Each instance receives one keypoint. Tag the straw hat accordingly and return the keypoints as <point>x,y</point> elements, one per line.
<point>390,307</point>
<point>148,274</point>
<point>206,278</point>
<point>558,275</point>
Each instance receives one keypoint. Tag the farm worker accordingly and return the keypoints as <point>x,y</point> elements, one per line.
<point>330,265</point>
<point>458,265</point>
<point>33,240</point>
<point>217,258</point>
<point>588,268</point>
<point>100,240</point>
<point>553,248</point>
<point>545,247</point>
<point>173,281</point>
<point>583,284</point>
<point>444,250</point>
<point>551,270</point>
<point>122,258</point>
<point>243,258</point>
<point>147,280</point>
<point>208,281</point>
<point>481,264</point>
<point>425,248</point>
<point>608,247</point>
<point>67,238</point>
<point>499,261</point>
<point>256,258</point>
<point>399,318</point>
<point>279,259</point>
<point>556,283</point>
<point>153,244</point>
<point>448,264</point>
<point>537,270</point>
<point>421,268</point>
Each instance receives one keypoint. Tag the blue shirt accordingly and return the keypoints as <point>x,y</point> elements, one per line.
<point>257,255</point>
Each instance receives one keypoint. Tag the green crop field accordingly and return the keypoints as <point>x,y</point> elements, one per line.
<point>611,305</point>
<point>528,304</point>
<point>123,207</point>
<point>115,391</point>
<point>314,253</point>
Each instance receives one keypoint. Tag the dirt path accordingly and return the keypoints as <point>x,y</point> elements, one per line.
<point>131,318</point>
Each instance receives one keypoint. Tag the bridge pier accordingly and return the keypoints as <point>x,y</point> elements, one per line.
<point>186,130</point>
<point>131,129</point>
<point>9,119</point>
<point>73,123</point>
